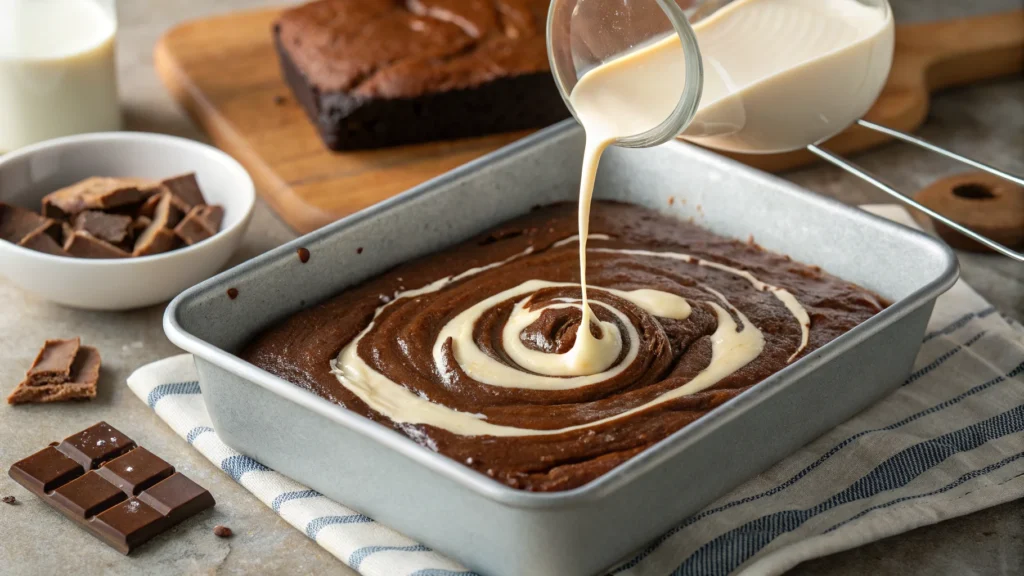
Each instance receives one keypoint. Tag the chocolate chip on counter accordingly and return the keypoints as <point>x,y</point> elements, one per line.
<point>232,293</point>
<point>10,500</point>
<point>359,250</point>
<point>303,255</point>
<point>222,531</point>
<point>54,443</point>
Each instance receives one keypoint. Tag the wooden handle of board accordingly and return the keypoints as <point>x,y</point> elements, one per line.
<point>929,57</point>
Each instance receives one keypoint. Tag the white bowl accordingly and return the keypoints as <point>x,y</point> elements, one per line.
<point>121,284</point>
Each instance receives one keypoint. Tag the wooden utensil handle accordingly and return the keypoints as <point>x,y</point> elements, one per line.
<point>958,52</point>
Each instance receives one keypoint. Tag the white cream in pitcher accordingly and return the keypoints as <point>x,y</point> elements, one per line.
<point>57,70</point>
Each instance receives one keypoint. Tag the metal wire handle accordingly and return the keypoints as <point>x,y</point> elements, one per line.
<point>878,183</point>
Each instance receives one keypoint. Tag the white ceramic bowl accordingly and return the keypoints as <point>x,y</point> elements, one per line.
<point>121,284</point>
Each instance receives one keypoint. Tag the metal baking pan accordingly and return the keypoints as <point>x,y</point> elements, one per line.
<point>502,531</point>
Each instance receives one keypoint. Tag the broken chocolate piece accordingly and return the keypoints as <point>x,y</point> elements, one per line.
<point>148,208</point>
<point>199,224</point>
<point>17,223</point>
<point>42,241</point>
<point>134,497</point>
<point>53,363</point>
<point>155,240</point>
<point>112,228</point>
<point>94,193</point>
<point>84,245</point>
<point>80,384</point>
<point>140,224</point>
<point>186,188</point>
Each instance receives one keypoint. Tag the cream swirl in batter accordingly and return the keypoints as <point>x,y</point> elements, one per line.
<point>465,351</point>
<point>735,342</point>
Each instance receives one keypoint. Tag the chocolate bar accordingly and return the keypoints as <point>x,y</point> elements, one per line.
<point>118,491</point>
<point>63,370</point>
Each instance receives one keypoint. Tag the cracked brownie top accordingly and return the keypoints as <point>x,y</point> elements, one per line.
<point>406,48</point>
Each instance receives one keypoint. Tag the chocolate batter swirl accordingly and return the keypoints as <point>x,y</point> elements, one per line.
<point>455,349</point>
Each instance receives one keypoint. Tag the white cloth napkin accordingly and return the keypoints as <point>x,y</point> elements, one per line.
<point>948,443</point>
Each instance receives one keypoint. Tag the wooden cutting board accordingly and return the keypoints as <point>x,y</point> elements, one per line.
<point>223,70</point>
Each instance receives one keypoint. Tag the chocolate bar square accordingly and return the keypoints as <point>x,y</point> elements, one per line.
<point>87,495</point>
<point>97,443</point>
<point>135,471</point>
<point>45,470</point>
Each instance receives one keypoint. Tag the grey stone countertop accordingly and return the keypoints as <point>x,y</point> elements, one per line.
<point>986,121</point>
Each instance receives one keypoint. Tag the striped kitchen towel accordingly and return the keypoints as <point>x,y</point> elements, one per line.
<point>948,443</point>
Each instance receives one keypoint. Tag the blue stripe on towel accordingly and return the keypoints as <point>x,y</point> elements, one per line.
<point>195,432</point>
<point>1018,370</point>
<point>958,323</point>
<point>438,572</point>
<point>238,465</point>
<point>731,549</point>
<point>942,359</point>
<point>965,478</point>
<point>294,495</point>
<point>317,524</point>
<point>171,388</point>
<point>361,554</point>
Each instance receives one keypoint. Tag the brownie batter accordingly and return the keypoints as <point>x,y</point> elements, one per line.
<point>669,353</point>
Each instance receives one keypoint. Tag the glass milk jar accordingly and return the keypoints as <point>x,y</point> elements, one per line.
<point>57,69</point>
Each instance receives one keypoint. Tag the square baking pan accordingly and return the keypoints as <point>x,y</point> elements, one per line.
<point>498,530</point>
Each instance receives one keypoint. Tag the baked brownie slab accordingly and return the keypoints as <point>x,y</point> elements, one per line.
<point>375,73</point>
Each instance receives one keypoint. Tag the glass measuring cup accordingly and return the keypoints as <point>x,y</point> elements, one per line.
<point>755,76</point>
<point>724,87</point>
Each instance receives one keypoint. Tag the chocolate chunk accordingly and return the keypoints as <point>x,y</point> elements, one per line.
<point>127,501</point>
<point>136,471</point>
<point>94,193</point>
<point>81,385</point>
<point>10,500</point>
<point>53,363</point>
<point>112,228</point>
<point>17,223</point>
<point>186,188</point>
<point>84,245</point>
<point>148,208</point>
<point>222,531</point>
<point>155,240</point>
<point>42,241</point>
<point>199,224</point>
